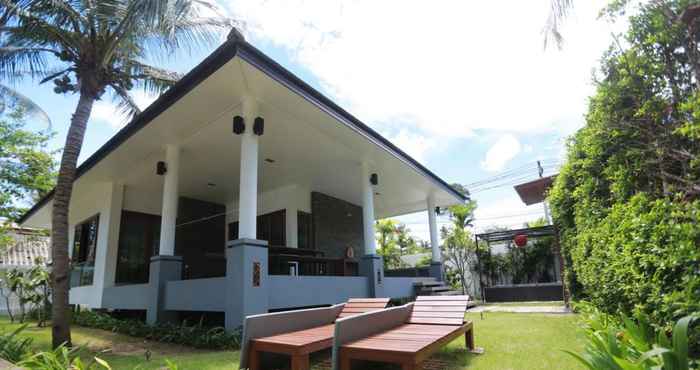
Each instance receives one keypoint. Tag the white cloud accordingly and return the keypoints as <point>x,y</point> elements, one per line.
<point>505,149</point>
<point>416,145</point>
<point>106,110</point>
<point>446,70</point>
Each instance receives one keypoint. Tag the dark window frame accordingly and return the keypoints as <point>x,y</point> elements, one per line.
<point>150,236</point>
<point>265,228</point>
<point>84,251</point>
<point>305,227</point>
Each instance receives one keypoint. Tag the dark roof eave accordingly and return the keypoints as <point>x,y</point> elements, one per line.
<point>224,53</point>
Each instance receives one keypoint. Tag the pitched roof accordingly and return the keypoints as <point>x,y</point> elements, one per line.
<point>223,54</point>
<point>25,248</point>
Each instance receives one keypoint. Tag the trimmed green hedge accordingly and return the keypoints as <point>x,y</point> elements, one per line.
<point>644,256</point>
<point>197,335</point>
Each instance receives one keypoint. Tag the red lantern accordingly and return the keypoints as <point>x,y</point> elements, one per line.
<point>520,240</point>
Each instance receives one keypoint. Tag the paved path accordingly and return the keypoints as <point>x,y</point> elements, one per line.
<point>520,309</point>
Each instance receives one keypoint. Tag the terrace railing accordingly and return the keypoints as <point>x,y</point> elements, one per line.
<point>305,262</point>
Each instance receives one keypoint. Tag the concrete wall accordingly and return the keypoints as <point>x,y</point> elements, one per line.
<point>300,291</point>
<point>126,297</point>
<point>196,295</point>
<point>337,225</point>
<point>399,287</point>
<point>284,292</point>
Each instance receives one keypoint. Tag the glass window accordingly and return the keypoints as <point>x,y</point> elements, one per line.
<point>84,249</point>
<point>270,227</point>
<point>139,237</point>
<point>305,230</point>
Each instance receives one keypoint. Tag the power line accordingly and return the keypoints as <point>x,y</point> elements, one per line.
<point>509,174</point>
<point>510,181</point>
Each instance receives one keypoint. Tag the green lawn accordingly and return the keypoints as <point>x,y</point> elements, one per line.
<point>526,304</point>
<point>511,341</point>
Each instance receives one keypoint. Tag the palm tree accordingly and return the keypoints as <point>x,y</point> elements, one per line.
<point>89,47</point>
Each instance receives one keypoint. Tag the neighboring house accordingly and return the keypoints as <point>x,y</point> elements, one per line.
<point>240,190</point>
<point>27,247</point>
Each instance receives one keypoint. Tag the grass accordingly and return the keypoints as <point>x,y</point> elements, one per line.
<point>511,341</point>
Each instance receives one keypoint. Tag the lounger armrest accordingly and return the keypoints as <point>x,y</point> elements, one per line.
<point>361,326</point>
<point>264,325</point>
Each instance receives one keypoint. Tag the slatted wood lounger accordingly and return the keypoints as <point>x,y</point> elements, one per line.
<point>299,344</point>
<point>434,322</point>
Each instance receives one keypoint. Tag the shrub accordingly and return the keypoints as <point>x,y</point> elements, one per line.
<point>643,257</point>
<point>197,335</point>
<point>626,344</point>
<point>12,347</point>
<point>61,358</point>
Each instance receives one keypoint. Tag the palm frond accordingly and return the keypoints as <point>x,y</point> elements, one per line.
<point>55,74</point>
<point>18,61</point>
<point>11,98</point>
<point>558,11</point>
<point>153,79</point>
<point>125,104</point>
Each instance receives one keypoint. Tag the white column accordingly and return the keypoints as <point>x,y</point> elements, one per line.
<point>292,227</point>
<point>115,217</point>
<point>107,240</point>
<point>432,222</point>
<point>248,196</point>
<point>368,212</point>
<point>170,196</point>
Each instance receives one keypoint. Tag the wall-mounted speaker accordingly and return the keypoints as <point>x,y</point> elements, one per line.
<point>258,126</point>
<point>161,168</point>
<point>238,125</point>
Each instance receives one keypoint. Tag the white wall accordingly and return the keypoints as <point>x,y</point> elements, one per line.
<point>104,199</point>
<point>292,198</point>
<point>143,200</point>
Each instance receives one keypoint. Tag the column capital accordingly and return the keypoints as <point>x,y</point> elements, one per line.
<point>249,107</point>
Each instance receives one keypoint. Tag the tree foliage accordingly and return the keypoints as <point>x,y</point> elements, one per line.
<point>626,201</point>
<point>26,166</point>
<point>459,247</point>
<point>387,242</point>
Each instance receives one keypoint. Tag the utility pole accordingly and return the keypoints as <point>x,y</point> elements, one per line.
<point>540,170</point>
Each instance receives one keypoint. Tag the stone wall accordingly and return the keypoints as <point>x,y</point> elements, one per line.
<point>337,225</point>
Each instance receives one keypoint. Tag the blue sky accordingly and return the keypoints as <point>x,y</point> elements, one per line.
<point>465,87</point>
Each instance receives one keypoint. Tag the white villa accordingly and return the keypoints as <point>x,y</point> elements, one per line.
<point>241,190</point>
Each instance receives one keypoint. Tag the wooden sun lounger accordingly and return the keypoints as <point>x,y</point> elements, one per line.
<point>430,323</point>
<point>300,343</point>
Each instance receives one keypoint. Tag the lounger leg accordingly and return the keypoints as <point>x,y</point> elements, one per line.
<point>254,359</point>
<point>345,362</point>
<point>469,339</point>
<point>300,362</point>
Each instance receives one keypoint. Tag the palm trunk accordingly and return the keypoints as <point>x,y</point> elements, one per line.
<point>59,221</point>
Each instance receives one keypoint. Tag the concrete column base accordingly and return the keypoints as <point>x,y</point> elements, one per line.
<point>372,267</point>
<point>246,281</point>
<point>162,270</point>
<point>437,271</point>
